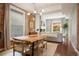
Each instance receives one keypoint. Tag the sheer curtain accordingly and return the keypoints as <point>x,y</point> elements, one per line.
<point>16,23</point>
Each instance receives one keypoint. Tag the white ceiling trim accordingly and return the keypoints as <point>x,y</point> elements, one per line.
<point>48,7</point>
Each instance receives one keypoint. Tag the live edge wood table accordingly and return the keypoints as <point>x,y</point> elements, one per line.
<point>31,39</point>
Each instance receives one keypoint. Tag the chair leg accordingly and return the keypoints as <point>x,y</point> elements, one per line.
<point>37,51</point>
<point>13,49</point>
<point>22,54</point>
<point>46,48</point>
<point>13,53</point>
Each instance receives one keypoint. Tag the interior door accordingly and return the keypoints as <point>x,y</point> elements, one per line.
<point>78,26</point>
<point>2,7</point>
<point>31,24</point>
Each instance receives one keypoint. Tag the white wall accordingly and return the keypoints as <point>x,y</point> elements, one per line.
<point>52,15</point>
<point>70,11</point>
<point>74,26</point>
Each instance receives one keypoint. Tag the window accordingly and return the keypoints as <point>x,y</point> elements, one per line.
<point>48,25</point>
<point>53,25</point>
<point>16,23</point>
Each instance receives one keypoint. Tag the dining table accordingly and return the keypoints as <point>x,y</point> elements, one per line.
<point>31,38</point>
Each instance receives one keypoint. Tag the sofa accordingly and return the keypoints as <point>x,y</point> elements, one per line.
<point>56,37</point>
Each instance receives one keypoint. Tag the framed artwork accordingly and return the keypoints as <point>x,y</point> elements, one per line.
<point>56,27</point>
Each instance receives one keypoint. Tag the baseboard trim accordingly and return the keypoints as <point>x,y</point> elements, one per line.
<point>75,49</point>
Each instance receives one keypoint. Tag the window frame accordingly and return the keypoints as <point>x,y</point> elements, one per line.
<point>19,10</point>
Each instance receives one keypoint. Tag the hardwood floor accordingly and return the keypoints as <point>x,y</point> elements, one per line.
<point>61,50</point>
<point>65,50</point>
<point>53,49</point>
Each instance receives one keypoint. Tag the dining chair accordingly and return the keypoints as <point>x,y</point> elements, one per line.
<point>22,47</point>
<point>40,46</point>
<point>45,44</point>
<point>36,48</point>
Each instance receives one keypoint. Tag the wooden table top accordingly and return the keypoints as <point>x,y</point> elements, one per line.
<point>30,38</point>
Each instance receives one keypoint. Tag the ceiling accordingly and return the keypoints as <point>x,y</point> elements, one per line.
<point>47,7</point>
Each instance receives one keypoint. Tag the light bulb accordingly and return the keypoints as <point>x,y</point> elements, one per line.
<point>28,13</point>
<point>43,10</point>
<point>40,13</point>
<point>34,11</point>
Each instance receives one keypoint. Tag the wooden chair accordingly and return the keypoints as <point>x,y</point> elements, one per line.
<point>32,33</point>
<point>42,45</point>
<point>45,44</point>
<point>22,47</point>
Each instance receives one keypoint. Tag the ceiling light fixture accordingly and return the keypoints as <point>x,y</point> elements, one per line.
<point>40,13</point>
<point>35,12</point>
<point>28,13</point>
<point>43,10</point>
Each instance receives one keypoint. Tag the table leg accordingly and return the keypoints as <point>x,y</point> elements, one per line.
<point>33,49</point>
<point>13,53</point>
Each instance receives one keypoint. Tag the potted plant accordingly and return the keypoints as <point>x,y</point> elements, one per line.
<point>65,27</point>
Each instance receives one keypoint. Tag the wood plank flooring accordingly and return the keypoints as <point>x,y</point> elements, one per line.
<point>53,49</point>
